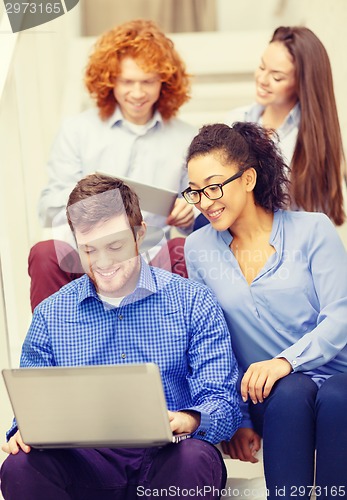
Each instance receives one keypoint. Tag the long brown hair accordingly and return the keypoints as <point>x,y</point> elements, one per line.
<point>318,159</point>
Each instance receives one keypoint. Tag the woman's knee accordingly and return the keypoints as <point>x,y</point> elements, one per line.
<point>295,389</point>
<point>291,399</point>
<point>332,396</point>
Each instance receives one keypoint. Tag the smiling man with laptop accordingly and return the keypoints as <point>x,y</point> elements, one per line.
<point>124,312</point>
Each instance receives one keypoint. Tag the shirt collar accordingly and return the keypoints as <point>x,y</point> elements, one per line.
<point>86,289</point>
<point>276,240</point>
<point>146,285</point>
<point>117,119</point>
<point>275,236</point>
<point>254,113</point>
<point>292,119</point>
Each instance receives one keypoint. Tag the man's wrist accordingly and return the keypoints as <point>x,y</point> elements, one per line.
<point>194,419</point>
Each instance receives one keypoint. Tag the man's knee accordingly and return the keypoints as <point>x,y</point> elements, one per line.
<point>197,455</point>
<point>171,257</point>
<point>196,448</point>
<point>52,255</point>
<point>192,463</point>
<point>14,470</point>
<point>42,254</point>
<point>190,454</point>
<point>204,459</point>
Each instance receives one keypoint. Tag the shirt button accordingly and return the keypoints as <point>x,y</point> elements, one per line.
<point>123,355</point>
<point>294,362</point>
<point>120,316</point>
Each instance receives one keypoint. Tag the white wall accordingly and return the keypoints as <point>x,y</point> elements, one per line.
<point>31,85</point>
<point>30,96</point>
<point>234,15</point>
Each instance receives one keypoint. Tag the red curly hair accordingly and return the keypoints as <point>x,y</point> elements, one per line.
<point>154,53</point>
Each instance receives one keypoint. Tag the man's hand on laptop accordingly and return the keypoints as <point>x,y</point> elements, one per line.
<point>184,422</point>
<point>15,444</point>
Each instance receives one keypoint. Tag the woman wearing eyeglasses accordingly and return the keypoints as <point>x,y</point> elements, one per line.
<point>281,278</point>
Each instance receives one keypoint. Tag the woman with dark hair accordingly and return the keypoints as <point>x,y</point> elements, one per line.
<point>295,96</point>
<point>281,278</point>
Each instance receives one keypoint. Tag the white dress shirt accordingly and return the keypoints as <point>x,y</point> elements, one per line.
<point>153,154</point>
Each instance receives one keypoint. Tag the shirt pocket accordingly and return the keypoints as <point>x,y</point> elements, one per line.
<point>290,310</point>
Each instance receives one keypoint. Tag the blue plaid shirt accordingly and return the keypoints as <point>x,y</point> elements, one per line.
<point>171,321</point>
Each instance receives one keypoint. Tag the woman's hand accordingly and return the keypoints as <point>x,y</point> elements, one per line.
<point>260,377</point>
<point>15,444</point>
<point>243,445</point>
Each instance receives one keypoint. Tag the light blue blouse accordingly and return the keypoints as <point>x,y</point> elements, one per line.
<point>287,132</point>
<point>296,307</point>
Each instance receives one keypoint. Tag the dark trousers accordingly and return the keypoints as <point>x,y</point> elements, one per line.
<point>123,474</point>
<point>296,420</point>
<point>52,264</point>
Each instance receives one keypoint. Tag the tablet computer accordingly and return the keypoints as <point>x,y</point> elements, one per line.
<point>153,199</point>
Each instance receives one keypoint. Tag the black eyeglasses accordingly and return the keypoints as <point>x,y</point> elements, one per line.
<point>212,192</point>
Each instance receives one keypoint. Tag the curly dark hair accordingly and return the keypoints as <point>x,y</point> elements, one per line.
<point>248,145</point>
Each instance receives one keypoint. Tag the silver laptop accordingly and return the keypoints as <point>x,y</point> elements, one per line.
<point>153,199</point>
<point>109,406</point>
